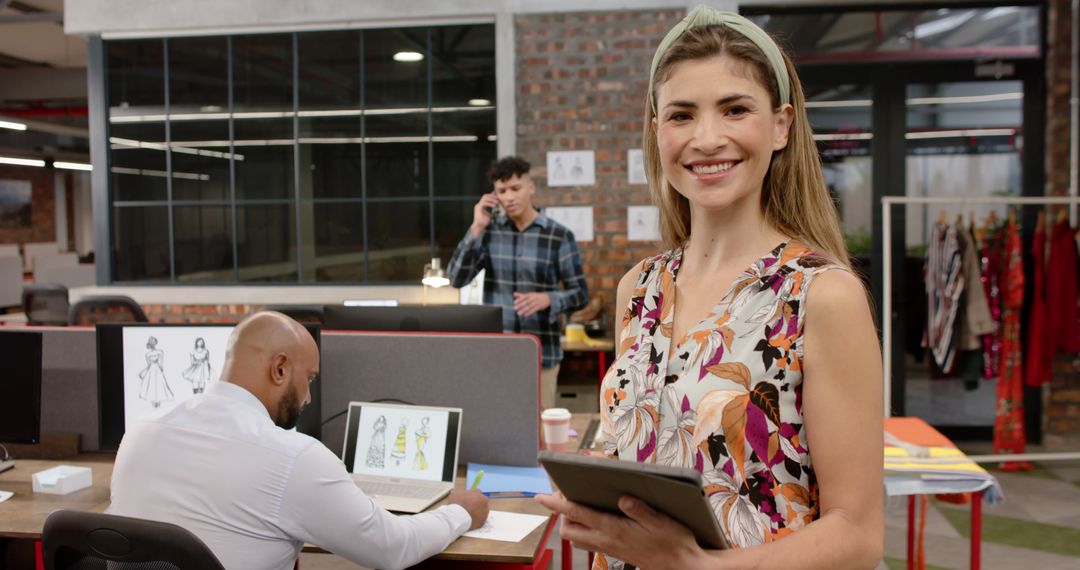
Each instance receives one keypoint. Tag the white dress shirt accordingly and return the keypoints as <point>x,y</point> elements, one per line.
<point>254,493</point>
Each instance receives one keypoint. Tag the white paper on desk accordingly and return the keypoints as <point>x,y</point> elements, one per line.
<point>5,495</point>
<point>508,527</point>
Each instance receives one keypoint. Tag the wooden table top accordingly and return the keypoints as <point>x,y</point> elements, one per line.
<point>24,514</point>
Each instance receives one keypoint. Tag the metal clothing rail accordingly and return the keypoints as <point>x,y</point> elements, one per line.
<point>886,292</point>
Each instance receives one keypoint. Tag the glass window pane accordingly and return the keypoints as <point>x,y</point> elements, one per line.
<point>200,160</point>
<point>398,241</point>
<point>461,167</point>
<point>262,73</point>
<point>963,139</point>
<point>198,75</point>
<point>339,242</point>
<point>397,155</point>
<point>463,65</point>
<point>141,244</point>
<point>203,243</point>
<point>840,116</point>
<point>137,161</point>
<point>266,172</point>
<point>266,242</point>
<point>329,70</point>
<point>936,33</point>
<point>452,220</point>
<point>136,76</point>
<point>330,170</point>
<point>395,84</point>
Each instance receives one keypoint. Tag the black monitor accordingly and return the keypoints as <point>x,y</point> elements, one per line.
<point>143,367</point>
<point>420,318</point>
<point>20,387</point>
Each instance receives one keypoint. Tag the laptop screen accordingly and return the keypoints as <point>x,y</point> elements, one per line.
<point>410,442</point>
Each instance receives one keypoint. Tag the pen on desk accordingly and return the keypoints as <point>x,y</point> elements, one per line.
<point>476,482</point>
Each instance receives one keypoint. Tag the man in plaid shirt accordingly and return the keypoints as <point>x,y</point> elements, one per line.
<point>526,255</point>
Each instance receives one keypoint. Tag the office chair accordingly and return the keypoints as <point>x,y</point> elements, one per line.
<point>76,540</point>
<point>45,304</point>
<point>105,309</point>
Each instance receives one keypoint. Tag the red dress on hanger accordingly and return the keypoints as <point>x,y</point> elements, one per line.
<point>1009,434</point>
<point>1063,321</point>
<point>990,252</point>
<point>1039,353</point>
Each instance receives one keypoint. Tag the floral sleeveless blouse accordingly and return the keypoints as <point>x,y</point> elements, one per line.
<point>726,399</point>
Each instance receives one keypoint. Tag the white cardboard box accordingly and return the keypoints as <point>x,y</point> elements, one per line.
<point>62,479</point>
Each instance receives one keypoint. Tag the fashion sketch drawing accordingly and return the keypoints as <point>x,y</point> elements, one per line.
<point>376,453</point>
<point>154,388</point>
<point>420,462</point>
<point>398,453</point>
<point>199,371</point>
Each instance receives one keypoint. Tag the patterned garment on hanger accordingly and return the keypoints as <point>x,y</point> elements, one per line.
<point>1009,415</point>
<point>991,267</point>
<point>944,286</point>
<point>726,399</point>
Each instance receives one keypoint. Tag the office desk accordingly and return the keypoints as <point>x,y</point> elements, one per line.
<point>601,346</point>
<point>23,516</point>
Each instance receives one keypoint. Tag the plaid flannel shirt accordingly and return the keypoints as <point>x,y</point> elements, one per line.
<point>535,259</point>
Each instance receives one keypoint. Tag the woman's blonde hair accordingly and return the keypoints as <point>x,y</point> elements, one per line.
<point>794,197</point>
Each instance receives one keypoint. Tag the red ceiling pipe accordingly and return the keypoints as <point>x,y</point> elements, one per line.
<point>71,111</point>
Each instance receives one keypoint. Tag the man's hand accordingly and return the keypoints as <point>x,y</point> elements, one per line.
<point>474,502</point>
<point>482,213</point>
<point>528,304</point>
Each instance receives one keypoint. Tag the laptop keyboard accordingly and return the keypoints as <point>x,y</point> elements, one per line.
<point>399,490</point>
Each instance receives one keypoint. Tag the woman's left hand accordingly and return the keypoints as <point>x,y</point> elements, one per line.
<point>644,537</point>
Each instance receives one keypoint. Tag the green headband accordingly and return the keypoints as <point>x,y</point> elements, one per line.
<point>703,16</point>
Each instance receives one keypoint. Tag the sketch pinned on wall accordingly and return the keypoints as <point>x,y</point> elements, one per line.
<point>376,454</point>
<point>200,372</point>
<point>571,168</point>
<point>154,387</point>
<point>579,219</point>
<point>398,453</point>
<point>422,434</point>
<point>152,370</point>
<point>635,167</point>
<point>642,223</point>
<point>16,197</point>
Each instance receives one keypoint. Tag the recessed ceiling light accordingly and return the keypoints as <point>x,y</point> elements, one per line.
<point>211,109</point>
<point>21,161</point>
<point>479,102</point>
<point>72,166</point>
<point>12,126</point>
<point>408,56</point>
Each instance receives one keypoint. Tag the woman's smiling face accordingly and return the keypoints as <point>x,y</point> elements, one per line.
<point>716,131</point>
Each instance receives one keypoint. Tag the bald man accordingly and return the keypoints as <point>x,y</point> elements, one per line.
<point>223,465</point>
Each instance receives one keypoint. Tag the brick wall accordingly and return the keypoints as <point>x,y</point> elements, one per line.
<point>581,81</point>
<point>42,206</point>
<point>1062,413</point>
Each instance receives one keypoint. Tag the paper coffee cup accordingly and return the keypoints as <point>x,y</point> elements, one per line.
<point>556,423</point>
<point>575,333</point>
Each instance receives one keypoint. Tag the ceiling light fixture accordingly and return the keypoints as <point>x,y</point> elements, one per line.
<point>12,126</point>
<point>72,166</point>
<point>22,161</point>
<point>479,102</point>
<point>408,56</point>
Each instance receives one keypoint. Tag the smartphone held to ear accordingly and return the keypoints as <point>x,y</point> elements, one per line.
<point>494,211</point>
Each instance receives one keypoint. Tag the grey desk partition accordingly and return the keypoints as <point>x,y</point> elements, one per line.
<point>69,396</point>
<point>494,379</point>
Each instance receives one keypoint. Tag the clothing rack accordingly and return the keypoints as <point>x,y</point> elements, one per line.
<point>886,292</point>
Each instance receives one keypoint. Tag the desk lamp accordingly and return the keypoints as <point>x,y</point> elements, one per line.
<point>434,276</point>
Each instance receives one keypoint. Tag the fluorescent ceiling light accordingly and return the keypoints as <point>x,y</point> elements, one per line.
<point>12,126</point>
<point>22,161</point>
<point>479,102</point>
<point>407,56</point>
<point>72,166</point>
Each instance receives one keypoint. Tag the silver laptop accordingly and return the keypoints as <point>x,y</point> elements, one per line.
<point>402,456</point>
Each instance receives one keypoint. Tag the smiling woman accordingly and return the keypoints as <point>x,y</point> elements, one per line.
<point>741,352</point>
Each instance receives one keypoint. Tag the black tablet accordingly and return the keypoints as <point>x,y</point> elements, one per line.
<point>599,482</point>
